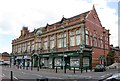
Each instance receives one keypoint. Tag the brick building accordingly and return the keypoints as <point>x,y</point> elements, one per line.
<point>116,51</point>
<point>80,41</point>
<point>5,57</point>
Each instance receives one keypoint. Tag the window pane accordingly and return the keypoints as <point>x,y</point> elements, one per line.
<point>78,32</point>
<point>71,33</point>
<point>72,42</point>
<point>87,40</point>
<point>59,43</point>
<point>78,40</point>
<point>65,42</point>
<point>51,44</point>
<point>45,46</point>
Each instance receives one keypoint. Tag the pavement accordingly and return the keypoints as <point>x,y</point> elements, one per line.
<point>31,75</point>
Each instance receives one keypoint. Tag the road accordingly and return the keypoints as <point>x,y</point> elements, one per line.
<point>33,75</point>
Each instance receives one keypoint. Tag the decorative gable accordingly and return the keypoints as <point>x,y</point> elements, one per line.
<point>93,17</point>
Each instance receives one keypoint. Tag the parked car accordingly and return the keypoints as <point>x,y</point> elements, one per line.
<point>114,77</point>
<point>99,68</point>
<point>3,63</point>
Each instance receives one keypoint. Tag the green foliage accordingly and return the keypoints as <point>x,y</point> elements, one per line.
<point>110,57</point>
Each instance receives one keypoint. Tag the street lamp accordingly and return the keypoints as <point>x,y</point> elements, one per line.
<point>52,57</point>
<point>81,56</point>
<point>39,52</point>
<point>64,63</point>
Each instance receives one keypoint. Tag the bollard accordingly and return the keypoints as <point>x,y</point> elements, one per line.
<point>23,67</point>
<point>86,69</point>
<point>65,69</point>
<point>38,68</point>
<point>11,75</point>
<point>56,69</point>
<point>81,70</point>
<point>74,70</point>
<point>31,68</point>
<point>42,79</point>
<point>27,68</point>
<point>37,79</point>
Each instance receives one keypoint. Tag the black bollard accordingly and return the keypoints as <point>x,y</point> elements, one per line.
<point>56,69</point>
<point>38,68</point>
<point>37,79</point>
<point>81,70</point>
<point>11,75</point>
<point>86,69</point>
<point>23,67</point>
<point>65,69</point>
<point>74,70</point>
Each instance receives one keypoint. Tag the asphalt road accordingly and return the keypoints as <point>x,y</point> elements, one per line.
<point>51,75</point>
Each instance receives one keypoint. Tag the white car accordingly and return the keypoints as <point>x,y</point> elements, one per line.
<point>114,77</point>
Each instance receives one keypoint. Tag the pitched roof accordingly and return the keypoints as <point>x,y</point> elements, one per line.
<point>63,19</point>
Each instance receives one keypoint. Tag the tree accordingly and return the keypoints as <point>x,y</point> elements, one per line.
<point>110,57</point>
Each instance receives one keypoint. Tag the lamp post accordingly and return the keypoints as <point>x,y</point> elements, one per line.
<point>32,59</point>
<point>81,57</point>
<point>39,57</point>
<point>52,57</point>
<point>64,63</point>
<point>63,50</point>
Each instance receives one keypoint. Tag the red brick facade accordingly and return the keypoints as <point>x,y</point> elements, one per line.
<point>92,36</point>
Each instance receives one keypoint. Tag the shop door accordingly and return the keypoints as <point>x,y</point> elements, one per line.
<point>67,62</point>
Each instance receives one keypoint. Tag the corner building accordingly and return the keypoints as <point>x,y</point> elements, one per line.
<point>79,42</point>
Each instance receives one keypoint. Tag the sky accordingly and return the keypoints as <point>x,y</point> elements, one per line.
<point>14,14</point>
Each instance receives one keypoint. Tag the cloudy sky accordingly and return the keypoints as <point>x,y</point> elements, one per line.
<point>14,14</point>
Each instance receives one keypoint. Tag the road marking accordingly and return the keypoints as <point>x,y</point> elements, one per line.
<point>106,75</point>
<point>3,75</point>
<point>15,77</point>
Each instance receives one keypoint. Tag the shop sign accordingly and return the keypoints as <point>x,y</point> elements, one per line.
<point>45,55</point>
<point>60,54</point>
<point>70,54</point>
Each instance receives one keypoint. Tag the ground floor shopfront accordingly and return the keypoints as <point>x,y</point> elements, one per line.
<point>66,59</point>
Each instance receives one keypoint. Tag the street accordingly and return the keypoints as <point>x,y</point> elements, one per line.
<point>50,74</point>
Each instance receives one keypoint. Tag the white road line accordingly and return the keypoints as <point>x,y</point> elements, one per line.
<point>3,75</point>
<point>15,77</point>
<point>106,75</point>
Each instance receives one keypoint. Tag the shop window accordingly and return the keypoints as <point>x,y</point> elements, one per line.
<point>74,61</point>
<point>58,62</point>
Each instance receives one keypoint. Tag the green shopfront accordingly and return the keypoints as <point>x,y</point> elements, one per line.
<point>68,59</point>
